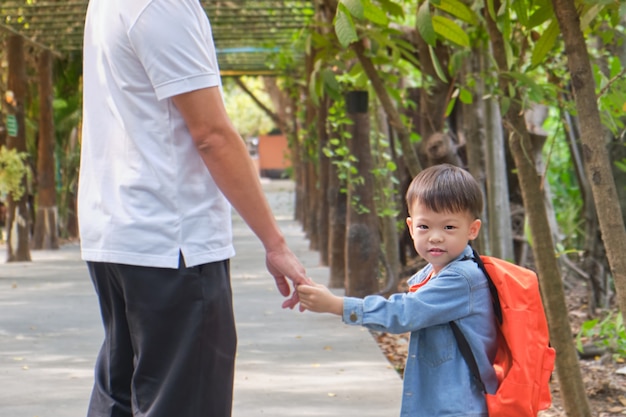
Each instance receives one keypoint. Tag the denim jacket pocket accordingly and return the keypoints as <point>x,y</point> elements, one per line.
<point>436,345</point>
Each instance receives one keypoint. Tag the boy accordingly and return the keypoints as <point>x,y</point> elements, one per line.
<point>444,204</point>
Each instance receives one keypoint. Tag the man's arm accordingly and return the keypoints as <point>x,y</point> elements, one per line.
<point>225,155</point>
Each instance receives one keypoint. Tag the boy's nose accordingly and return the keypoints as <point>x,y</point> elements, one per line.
<point>435,238</point>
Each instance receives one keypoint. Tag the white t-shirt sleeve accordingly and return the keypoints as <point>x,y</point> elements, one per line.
<point>173,41</point>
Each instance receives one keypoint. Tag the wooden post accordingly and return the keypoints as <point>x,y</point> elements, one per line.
<point>362,235</point>
<point>18,217</point>
<point>46,231</point>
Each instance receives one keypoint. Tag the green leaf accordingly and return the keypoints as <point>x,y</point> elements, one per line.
<point>621,164</point>
<point>424,24</point>
<point>589,14</point>
<point>313,90</point>
<point>588,325</point>
<point>458,10</point>
<point>508,51</point>
<point>466,96</point>
<point>535,92</point>
<point>457,60</point>
<point>376,14</point>
<point>415,137</point>
<point>492,10</point>
<point>331,85</point>
<point>544,13</point>
<point>448,29</point>
<point>521,11</point>
<point>450,106</point>
<point>59,103</point>
<point>392,8</point>
<point>437,64</point>
<point>355,7</point>
<point>344,28</point>
<point>545,43</point>
<point>505,103</point>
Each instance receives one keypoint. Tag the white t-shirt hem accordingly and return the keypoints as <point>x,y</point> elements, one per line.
<point>157,261</point>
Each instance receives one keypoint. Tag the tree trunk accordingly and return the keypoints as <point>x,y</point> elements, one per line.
<point>338,206</point>
<point>498,204</point>
<point>46,231</point>
<point>472,137</point>
<point>568,367</point>
<point>595,155</point>
<point>309,148</point>
<point>433,100</point>
<point>324,171</point>
<point>594,264</point>
<point>362,235</point>
<point>18,217</point>
<point>408,150</point>
<point>387,195</point>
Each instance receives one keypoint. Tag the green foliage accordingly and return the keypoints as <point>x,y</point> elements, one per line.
<point>344,26</point>
<point>67,105</point>
<point>458,10</point>
<point>339,153</point>
<point>384,176</point>
<point>12,172</point>
<point>612,90</point>
<point>337,150</point>
<point>424,24</point>
<point>247,117</point>
<point>449,30</point>
<point>607,333</point>
<point>566,195</point>
<point>545,44</point>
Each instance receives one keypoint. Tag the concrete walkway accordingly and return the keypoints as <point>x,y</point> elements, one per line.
<point>288,363</point>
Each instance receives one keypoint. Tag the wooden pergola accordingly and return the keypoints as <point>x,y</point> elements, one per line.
<point>247,32</point>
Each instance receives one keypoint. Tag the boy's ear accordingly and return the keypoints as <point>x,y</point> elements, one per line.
<point>474,229</point>
<point>409,223</point>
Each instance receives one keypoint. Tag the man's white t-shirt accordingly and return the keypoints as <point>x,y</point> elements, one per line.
<point>144,193</point>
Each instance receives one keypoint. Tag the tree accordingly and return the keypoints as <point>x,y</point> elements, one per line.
<point>595,157</point>
<point>46,230</point>
<point>362,235</point>
<point>570,378</point>
<point>18,217</point>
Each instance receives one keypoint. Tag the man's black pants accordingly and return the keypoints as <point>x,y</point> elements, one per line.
<point>170,341</point>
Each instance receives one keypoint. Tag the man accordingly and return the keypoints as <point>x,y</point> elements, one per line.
<point>160,164</point>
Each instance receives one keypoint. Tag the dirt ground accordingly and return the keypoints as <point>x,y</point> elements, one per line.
<point>605,387</point>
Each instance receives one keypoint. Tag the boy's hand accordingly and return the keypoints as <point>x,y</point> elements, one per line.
<point>319,299</point>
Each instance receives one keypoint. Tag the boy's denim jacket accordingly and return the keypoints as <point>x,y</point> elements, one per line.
<point>437,381</point>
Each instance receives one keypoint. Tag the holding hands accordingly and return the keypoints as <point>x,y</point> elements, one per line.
<point>319,299</point>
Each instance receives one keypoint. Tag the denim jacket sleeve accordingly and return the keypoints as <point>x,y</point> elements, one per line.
<point>447,296</point>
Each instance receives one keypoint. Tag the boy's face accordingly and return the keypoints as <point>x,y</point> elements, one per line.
<point>440,237</point>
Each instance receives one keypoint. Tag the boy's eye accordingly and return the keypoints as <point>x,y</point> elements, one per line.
<point>421,227</point>
<point>449,227</point>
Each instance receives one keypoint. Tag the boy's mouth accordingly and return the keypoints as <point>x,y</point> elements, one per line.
<point>436,251</point>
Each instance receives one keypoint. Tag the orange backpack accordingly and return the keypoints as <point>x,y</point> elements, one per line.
<point>524,359</point>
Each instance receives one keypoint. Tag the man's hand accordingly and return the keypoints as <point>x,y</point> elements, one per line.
<point>319,299</point>
<point>283,264</point>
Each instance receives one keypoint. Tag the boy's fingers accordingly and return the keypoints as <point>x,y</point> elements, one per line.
<point>305,289</point>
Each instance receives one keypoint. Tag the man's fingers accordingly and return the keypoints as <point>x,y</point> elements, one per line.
<point>292,301</point>
<point>283,286</point>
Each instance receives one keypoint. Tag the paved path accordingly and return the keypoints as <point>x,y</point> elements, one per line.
<point>288,363</point>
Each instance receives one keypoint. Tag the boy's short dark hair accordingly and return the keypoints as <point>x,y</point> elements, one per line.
<point>446,188</point>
